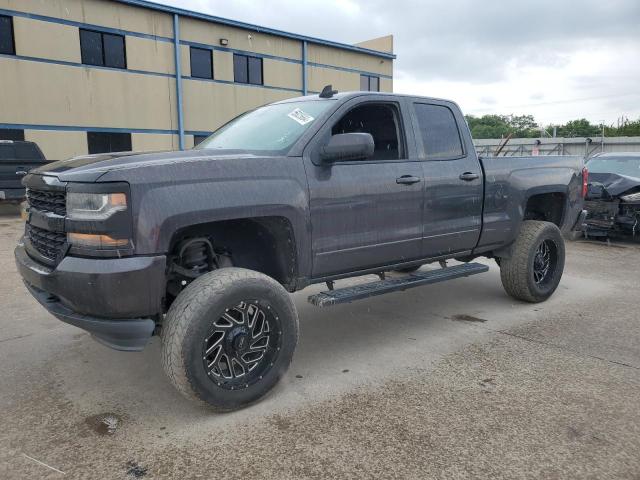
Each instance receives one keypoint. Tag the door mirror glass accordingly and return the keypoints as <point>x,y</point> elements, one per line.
<point>348,146</point>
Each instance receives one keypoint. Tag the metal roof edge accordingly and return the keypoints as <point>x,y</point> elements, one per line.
<point>249,26</point>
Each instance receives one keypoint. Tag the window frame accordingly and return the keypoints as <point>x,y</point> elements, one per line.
<point>247,69</point>
<point>90,134</point>
<point>418,132</point>
<point>199,49</point>
<point>102,49</point>
<point>12,35</point>
<point>369,77</point>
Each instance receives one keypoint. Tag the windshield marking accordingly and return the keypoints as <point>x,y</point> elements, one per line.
<point>300,116</point>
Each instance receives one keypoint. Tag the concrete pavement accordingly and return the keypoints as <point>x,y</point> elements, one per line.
<point>454,380</point>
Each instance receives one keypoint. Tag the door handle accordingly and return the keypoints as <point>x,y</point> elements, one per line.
<point>407,180</point>
<point>22,173</point>
<point>469,176</point>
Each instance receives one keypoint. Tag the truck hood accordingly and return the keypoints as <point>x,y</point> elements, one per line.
<point>89,168</point>
<point>609,185</point>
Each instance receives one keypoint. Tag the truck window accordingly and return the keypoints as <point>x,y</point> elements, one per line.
<point>7,151</point>
<point>381,121</point>
<point>440,134</point>
<point>270,129</point>
<point>28,151</point>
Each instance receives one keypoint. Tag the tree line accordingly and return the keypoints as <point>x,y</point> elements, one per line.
<point>525,126</point>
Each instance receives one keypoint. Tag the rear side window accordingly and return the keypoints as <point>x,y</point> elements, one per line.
<point>6,36</point>
<point>439,131</point>
<point>7,151</point>
<point>27,151</point>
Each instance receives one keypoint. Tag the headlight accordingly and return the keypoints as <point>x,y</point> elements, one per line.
<point>632,197</point>
<point>94,206</point>
<point>98,220</point>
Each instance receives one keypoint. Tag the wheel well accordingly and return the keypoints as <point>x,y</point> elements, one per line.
<point>548,207</point>
<point>263,244</point>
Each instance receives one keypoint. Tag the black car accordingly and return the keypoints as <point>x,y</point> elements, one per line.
<point>17,158</point>
<point>613,197</point>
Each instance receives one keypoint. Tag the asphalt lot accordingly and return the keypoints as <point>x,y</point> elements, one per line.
<point>454,380</point>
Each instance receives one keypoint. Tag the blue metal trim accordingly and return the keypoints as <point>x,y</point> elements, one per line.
<point>304,67</point>
<point>352,70</point>
<point>73,128</point>
<point>178,60</point>
<point>256,28</point>
<point>229,82</point>
<point>88,26</point>
<point>76,64</point>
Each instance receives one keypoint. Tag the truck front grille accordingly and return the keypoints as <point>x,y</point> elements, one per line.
<point>48,244</point>
<point>48,201</point>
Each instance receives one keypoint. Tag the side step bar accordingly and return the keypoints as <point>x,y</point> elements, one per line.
<point>358,292</point>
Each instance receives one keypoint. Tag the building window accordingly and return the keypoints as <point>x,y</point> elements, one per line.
<point>439,131</point>
<point>201,63</point>
<point>197,139</point>
<point>105,142</point>
<point>7,45</point>
<point>369,83</point>
<point>102,49</point>
<point>11,134</point>
<point>247,69</point>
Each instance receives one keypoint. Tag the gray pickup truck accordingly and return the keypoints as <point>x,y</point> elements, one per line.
<point>203,246</point>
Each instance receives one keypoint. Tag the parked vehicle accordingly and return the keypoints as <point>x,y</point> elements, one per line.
<point>203,246</point>
<point>17,158</point>
<point>613,197</point>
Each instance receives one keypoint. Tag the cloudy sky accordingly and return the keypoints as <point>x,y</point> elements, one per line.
<point>555,59</point>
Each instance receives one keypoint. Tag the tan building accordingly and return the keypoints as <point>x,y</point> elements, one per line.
<point>85,76</point>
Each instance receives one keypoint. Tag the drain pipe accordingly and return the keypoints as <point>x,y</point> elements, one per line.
<point>178,60</point>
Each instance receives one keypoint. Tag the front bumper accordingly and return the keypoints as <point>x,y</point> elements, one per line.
<point>113,299</point>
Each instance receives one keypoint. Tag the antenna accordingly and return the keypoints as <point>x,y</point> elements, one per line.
<point>328,92</point>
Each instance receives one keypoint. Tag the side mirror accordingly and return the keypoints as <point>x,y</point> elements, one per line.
<point>348,146</point>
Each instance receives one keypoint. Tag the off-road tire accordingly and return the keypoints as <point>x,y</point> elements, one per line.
<point>190,318</point>
<point>517,271</point>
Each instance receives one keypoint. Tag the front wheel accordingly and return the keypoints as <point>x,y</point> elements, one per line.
<point>534,270</point>
<point>229,337</point>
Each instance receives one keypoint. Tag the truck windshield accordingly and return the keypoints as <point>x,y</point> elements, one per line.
<point>272,128</point>
<point>629,166</point>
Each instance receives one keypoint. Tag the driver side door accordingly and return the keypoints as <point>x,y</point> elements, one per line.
<point>365,213</point>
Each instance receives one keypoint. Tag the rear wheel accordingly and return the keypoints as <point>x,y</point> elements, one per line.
<point>229,337</point>
<point>534,270</point>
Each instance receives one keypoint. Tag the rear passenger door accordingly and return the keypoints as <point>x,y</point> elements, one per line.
<point>453,179</point>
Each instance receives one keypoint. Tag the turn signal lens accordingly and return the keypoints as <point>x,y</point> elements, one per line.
<point>585,181</point>
<point>96,241</point>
